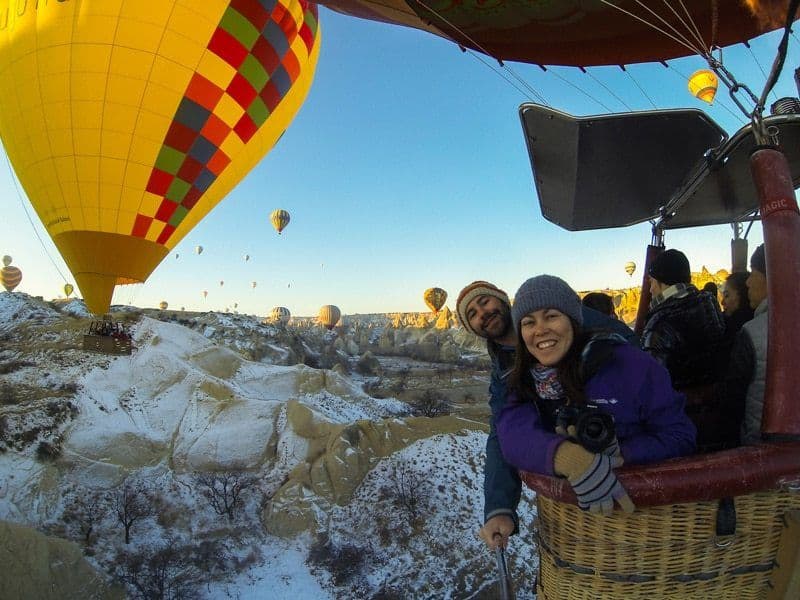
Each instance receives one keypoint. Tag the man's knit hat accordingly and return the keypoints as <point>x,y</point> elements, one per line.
<point>472,291</point>
<point>758,261</point>
<point>546,291</point>
<point>671,267</point>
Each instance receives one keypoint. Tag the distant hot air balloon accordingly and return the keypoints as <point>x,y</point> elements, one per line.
<point>235,305</point>
<point>630,267</point>
<point>435,298</point>
<point>163,305</point>
<point>198,250</point>
<point>205,294</point>
<point>221,283</point>
<point>280,314</point>
<point>703,85</point>
<point>10,276</point>
<point>246,257</point>
<point>177,256</point>
<point>329,316</point>
<point>279,219</point>
<point>253,284</point>
<point>68,289</point>
<point>127,123</point>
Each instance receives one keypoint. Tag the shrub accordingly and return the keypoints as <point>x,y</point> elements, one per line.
<point>410,490</point>
<point>224,490</point>
<point>48,451</point>
<point>343,562</point>
<point>431,403</point>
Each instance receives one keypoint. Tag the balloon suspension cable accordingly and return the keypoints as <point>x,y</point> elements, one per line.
<point>696,47</point>
<point>763,134</point>
<point>27,214</point>
<point>636,83</point>
<point>475,44</point>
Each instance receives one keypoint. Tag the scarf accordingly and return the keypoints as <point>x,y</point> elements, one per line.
<point>545,380</point>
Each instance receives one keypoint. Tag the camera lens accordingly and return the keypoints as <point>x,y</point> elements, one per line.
<point>594,429</point>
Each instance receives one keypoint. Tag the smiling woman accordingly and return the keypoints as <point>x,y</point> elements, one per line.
<point>583,402</point>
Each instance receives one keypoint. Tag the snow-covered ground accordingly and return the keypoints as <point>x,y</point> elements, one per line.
<point>188,408</point>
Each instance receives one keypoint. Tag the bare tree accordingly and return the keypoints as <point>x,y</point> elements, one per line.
<point>224,490</point>
<point>84,512</point>
<point>431,403</point>
<point>131,503</point>
<point>409,489</point>
<point>156,574</point>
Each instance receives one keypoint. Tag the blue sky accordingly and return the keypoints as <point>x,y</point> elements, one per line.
<point>406,168</point>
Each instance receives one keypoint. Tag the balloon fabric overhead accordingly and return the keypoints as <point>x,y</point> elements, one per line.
<point>572,32</point>
<point>127,122</point>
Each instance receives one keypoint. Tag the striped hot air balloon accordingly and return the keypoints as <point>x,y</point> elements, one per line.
<point>10,277</point>
<point>280,314</point>
<point>435,298</point>
<point>163,305</point>
<point>329,315</point>
<point>279,219</point>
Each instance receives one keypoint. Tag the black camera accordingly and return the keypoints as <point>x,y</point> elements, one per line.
<point>594,428</point>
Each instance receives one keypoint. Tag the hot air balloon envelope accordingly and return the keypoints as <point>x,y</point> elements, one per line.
<point>10,277</point>
<point>127,122</point>
<point>703,85</point>
<point>163,305</point>
<point>435,298</point>
<point>630,267</point>
<point>7,260</point>
<point>572,32</point>
<point>329,315</point>
<point>280,314</point>
<point>279,219</point>
<point>68,289</point>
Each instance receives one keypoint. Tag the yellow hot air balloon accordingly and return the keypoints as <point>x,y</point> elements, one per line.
<point>10,276</point>
<point>703,85</point>
<point>68,289</point>
<point>7,260</point>
<point>279,219</point>
<point>280,314</point>
<point>630,267</point>
<point>435,298</point>
<point>163,305</point>
<point>329,316</point>
<point>127,122</point>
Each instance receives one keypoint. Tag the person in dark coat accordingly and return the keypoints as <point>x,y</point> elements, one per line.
<point>685,329</point>
<point>561,368</point>
<point>735,304</point>
<point>600,302</point>
<point>485,310</point>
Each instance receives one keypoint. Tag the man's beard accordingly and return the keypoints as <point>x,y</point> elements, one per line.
<point>499,322</point>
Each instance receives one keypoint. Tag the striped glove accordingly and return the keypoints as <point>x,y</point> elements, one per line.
<point>592,478</point>
<point>611,450</point>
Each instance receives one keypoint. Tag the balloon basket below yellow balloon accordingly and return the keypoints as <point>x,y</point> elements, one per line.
<point>107,337</point>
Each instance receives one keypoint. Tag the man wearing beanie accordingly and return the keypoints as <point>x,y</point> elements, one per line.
<point>685,328</point>
<point>485,310</point>
<point>747,370</point>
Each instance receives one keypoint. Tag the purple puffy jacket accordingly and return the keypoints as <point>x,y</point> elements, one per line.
<point>649,414</point>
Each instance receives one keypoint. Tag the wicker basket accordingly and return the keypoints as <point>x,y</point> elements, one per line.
<point>661,551</point>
